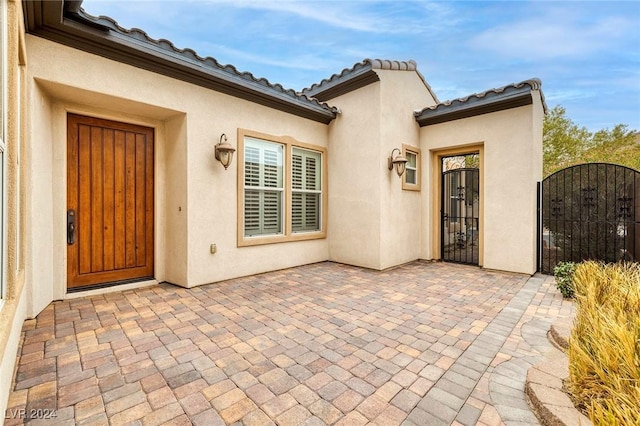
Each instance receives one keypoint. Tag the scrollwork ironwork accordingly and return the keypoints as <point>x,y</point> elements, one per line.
<point>624,210</point>
<point>588,196</point>
<point>469,161</point>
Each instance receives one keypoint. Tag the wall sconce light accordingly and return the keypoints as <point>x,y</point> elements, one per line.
<point>398,161</point>
<point>224,151</point>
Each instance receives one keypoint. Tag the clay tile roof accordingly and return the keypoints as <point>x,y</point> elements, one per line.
<point>384,64</point>
<point>509,96</point>
<point>192,56</point>
<point>359,75</point>
<point>67,23</point>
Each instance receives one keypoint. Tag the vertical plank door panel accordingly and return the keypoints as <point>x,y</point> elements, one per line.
<point>108,201</point>
<point>96,200</point>
<point>83,212</point>
<point>140,200</point>
<point>119,182</point>
<point>72,191</point>
<point>149,200</point>
<point>130,200</point>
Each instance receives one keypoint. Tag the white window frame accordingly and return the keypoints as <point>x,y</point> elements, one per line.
<point>289,144</point>
<point>406,185</point>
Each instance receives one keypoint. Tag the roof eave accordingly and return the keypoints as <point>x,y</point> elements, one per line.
<point>459,110</point>
<point>360,75</point>
<point>344,84</point>
<point>48,19</point>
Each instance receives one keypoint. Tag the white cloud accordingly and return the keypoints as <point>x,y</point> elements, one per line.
<point>304,62</point>
<point>561,96</point>
<point>336,15</point>
<point>559,35</point>
<point>381,17</point>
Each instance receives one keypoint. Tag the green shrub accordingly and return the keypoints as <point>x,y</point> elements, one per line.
<point>564,272</point>
<point>604,348</point>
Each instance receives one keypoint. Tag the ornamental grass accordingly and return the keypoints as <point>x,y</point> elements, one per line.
<point>604,349</point>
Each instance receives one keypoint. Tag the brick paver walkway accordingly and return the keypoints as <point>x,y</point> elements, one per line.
<point>425,343</point>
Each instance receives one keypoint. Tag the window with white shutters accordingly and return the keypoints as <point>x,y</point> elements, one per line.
<point>282,194</point>
<point>306,168</point>
<point>263,187</point>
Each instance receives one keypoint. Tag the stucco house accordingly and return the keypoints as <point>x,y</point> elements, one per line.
<point>110,176</point>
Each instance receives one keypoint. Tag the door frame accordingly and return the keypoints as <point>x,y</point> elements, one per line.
<point>59,111</point>
<point>436,211</point>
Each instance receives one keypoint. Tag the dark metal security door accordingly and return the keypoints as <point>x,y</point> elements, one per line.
<point>460,215</point>
<point>590,211</point>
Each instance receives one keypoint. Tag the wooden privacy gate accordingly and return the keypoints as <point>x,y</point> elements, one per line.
<point>109,201</point>
<point>589,211</point>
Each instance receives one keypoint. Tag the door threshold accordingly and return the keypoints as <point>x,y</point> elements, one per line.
<point>74,294</point>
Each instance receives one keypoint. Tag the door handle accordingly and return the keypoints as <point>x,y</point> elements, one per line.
<point>71,226</point>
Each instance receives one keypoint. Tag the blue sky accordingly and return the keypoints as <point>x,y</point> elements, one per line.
<point>587,53</point>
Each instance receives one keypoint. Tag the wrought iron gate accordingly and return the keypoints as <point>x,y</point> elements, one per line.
<point>589,211</point>
<point>460,224</point>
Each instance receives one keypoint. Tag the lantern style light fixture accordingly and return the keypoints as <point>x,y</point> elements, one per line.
<point>224,151</point>
<point>397,160</point>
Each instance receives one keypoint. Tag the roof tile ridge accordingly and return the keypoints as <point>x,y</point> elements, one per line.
<point>335,76</point>
<point>388,64</point>
<point>317,102</point>
<point>534,83</point>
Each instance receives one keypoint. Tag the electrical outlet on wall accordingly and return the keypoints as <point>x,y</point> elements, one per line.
<point>213,248</point>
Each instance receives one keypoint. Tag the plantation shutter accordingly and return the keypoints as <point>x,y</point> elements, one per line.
<point>271,201</point>
<point>263,181</point>
<point>296,196</point>
<point>251,197</point>
<point>306,190</point>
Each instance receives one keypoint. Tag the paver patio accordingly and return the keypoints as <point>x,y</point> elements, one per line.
<point>425,343</point>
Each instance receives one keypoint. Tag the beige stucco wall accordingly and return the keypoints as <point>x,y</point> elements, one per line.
<point>13,309</point>
<point>374,222</point>
<point>40,190</point>
<point>175,210</point>
<point>402,92</point>
<point>511,166</point>
<point>354,192</point>
<point>195,196</point>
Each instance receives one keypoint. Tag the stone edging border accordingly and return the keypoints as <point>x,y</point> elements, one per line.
<point>544,384</point>
<point>559,333</point>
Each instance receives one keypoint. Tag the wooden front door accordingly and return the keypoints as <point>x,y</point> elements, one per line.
<point>109,201</point>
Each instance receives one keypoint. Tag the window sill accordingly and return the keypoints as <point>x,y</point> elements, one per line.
<point>276,239</point>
